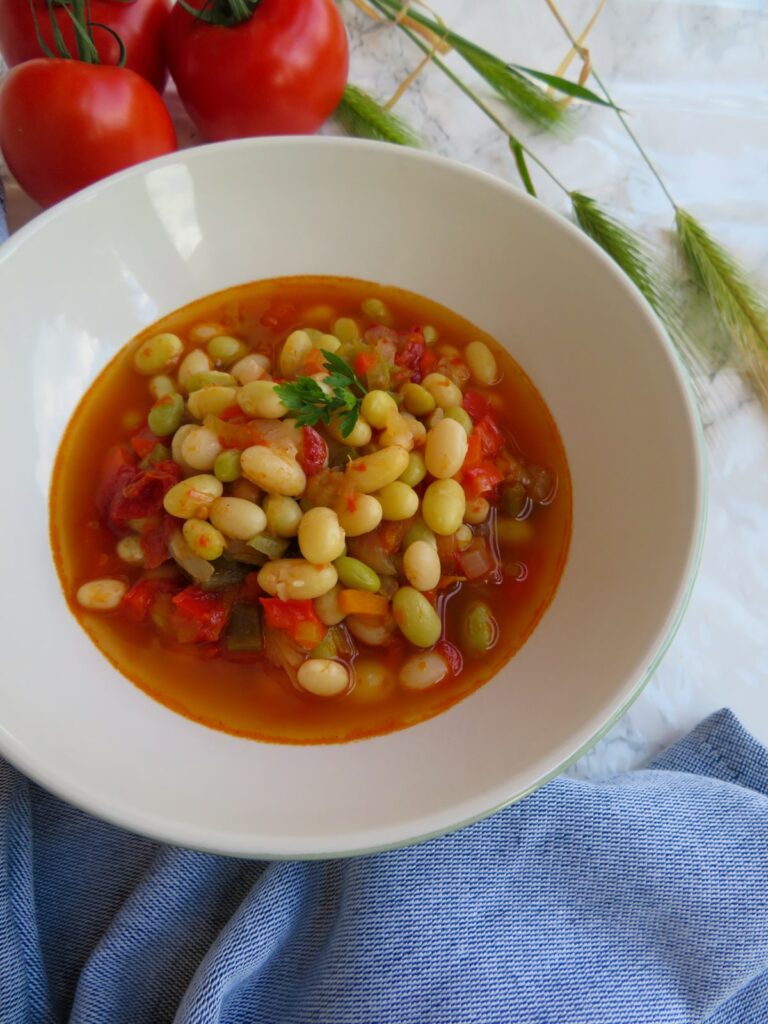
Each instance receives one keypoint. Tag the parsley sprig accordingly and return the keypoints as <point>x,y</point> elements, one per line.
<point>309,401</point>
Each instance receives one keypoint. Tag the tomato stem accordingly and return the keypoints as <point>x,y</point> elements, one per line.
<point>222,12</point>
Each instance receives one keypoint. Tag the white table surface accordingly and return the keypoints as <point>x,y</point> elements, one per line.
<point>694,76</point>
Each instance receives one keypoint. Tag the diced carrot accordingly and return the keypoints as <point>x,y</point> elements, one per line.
<point>361,602</point>
<point>314,362</point>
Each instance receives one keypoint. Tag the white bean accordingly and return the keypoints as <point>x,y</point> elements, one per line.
<point>359,514</point>
<point>443,390</point>
<point>373,681</point>
<point>293,579</point>
<point>237,518</point>
<point>273,471</point>
<point>101,595</point>
<point>372,472</point>
<point>370,631</point>
<point>443,506</point>
<point>421,565</point>
<point>295,350</point>
<point>258,398</point>
<point>193,496</point>
<point>321,538</point>
<point>446,449</point>
<point>476,511</point>
<point>327,607</point>
<point>323,677</point>
<point>250,367</point>
<point>177,444</point>
<point>193,362</point>
<point>421,671</point>
<point>200,448</point>
<point>211,400</point>
<point>481,362</point>
<point>359,435</point>
<point>283,515</point>
<point>129,550</point>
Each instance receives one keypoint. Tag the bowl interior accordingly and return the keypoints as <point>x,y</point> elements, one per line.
<point>84,278</point>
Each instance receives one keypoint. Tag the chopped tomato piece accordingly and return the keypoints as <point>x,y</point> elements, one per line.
<point>410,357</point>
<point>279,316</point>
<point>481,479</point>
<point>119,467</point>
<point>364,361</point>
<point>233,412</point>
<point>297,618</point>
<point>428,362</point>
<point>200,616</point>
<point>477,405</point>
<point>142,495</point>
<point>490,435</point>
<point>143,442</point>
<point>314,362</point>
<point>313,451</point>
<point>250,590</point>
<point>154,542</point>
<point>474,455</point>
<point>139,599</point>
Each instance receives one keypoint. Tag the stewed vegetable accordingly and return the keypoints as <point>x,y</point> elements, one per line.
<point>350,506</point>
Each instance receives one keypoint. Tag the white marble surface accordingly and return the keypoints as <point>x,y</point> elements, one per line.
<point>694,75</point>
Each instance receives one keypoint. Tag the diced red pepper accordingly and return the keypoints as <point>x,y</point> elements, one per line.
<point>143,442</point>
<point>474,455</point>
<point>200,616</point>
<point>250,590</point>
<point>312,452</point>
<point>481,480</point>
<point>476,405</point>
<point>279,316</point>
<point>428,362</point>
<point>297,618</point>
<point>233,412</point>
<point>490,435</point>
<point>138,600</point>
<point>364,361</point>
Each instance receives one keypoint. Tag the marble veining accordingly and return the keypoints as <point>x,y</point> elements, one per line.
<point>693,75</point>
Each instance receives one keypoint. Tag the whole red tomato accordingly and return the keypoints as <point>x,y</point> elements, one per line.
<point>65,124</point>
<point>281,72</point>
<point>139,23</point>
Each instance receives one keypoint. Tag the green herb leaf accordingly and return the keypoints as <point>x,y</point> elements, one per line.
<point>359,114</point>
<point>578,92</point>
<point>312,404</point>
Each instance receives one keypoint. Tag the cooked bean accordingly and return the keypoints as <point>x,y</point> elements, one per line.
<point>129,550</point>
<point>421,671</point>
<point>204,332</point>
<point>374,682</point>
<point>213,400</point>
<point>321,538</point>
<point>431,334</point>
<point>161,385</point>
<point>443,390</point>
<point>132,420</point>
<point>356,574</point>
<point>237,518</point>
<point>416,427</point>
<point>250,367</point>
<point>322,313</point>
<point>461,416</point>
<point>372,472</point>
<point>204,540</point>
<point>201,448</point>
<point>157,353</point>
<point>258,398</point>
<point>463,537</point>
<point>434,418</point>
<point>415,471</point>
<point>210,379</point>
<point>418,530</point>
<point>327,342</point>
<point>421,565</point>
<point>273,471</point>
<point>293,579</point>
<point>166,415</point>
<point>479,630</point>
<point>481,362</point>
<point>194,362</point>
<point>446,449</point>
<point>371,631</point>
<point>376,310</point>
<point>178,443</point>
<point>327,607</point>
<point>283,515</point>
<point>223,349</point>
<point>243,488</point>
<point>323,677</point>
<point>476,511</point>
<point>227,466</point>
<point>398,501</point>
<point>346,330</point>
<point>358,436</point>
<point>416,618</point>
<point>443,506</point>
<point>377,406</point>
<point>193,496</point>
<point>512,532</point>
<point>101,595</point>
<point>295,350</point>
<point>359,514</point>
<point>397,431</point>
<point>417,399</point>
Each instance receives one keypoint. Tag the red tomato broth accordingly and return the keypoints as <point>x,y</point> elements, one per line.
<point>246,695</point>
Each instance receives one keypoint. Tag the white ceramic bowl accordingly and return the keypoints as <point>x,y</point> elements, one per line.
<point>83,278</point>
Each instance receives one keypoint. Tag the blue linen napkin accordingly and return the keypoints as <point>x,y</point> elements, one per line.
<point>3,225</point>
<point>641,899</point>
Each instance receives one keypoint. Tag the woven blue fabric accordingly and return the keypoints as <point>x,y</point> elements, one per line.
<point>642,899</point>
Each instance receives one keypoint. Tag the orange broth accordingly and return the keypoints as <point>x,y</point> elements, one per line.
<point>251,697</point>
